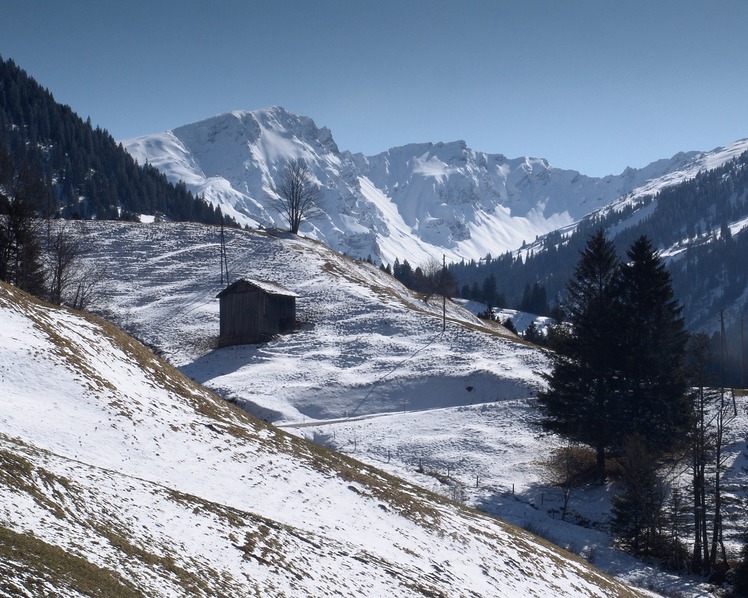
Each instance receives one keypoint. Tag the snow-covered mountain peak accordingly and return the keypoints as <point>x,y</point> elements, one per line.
<point>270,135</point>
<point>415,201</point>
<point>276,120</point>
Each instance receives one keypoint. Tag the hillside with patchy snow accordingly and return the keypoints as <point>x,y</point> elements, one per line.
<point>121,477</point>
<point>370,373</point>
<point>416,201</point>
<point>365,344</point>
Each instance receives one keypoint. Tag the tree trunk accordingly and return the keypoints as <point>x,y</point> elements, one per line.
<point>601,463</point>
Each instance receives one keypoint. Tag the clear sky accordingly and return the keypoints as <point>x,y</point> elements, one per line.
<point>592,85</point>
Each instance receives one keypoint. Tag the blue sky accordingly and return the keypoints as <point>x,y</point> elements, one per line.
<point>592,85</point>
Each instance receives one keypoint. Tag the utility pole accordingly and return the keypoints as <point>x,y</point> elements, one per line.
<point>742,356</point>
<point>224,260</point>
<point>444,292</point>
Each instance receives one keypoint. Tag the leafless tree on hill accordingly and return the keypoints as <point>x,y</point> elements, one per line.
<point>297,195</point>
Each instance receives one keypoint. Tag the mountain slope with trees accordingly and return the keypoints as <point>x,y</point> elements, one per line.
<point>698,227</point>
<point>83,172</point>
<point>683,220</point>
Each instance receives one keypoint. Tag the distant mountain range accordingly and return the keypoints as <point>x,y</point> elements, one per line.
<point>698,226</point>
<point>411,202</point>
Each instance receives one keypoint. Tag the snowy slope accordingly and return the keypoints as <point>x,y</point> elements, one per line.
<point>121,476</point>
<point>370,373</point>
<point>366,344</point>
<point>410,202</point>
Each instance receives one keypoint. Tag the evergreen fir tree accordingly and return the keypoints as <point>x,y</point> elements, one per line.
<point>619,367</point>
<point>475,292</point>
<point>580,400</point>
<point>533,335</point>
<point>637,511</point>
<point>653,339</point>
<point>489,290</point>
<point>509,325</point>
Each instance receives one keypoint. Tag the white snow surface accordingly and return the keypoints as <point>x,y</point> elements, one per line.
<point>412,202</point>
<point>369,372</point>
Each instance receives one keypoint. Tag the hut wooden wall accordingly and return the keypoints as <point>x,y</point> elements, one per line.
<point>251,317</point>
<point>280,313</point>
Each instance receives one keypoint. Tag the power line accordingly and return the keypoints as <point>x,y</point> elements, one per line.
<point>393,369</point>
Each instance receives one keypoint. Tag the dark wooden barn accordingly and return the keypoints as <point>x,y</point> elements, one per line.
<point>252,311</point>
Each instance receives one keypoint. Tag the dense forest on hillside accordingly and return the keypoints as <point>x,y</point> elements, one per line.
<point>693,216</point>
<point>690,221</point>
<point>87,174</point>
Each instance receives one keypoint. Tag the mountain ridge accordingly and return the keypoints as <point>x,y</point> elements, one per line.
<point>415,201</point>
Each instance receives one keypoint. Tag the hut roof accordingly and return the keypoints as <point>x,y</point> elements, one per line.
<point>244,285</point>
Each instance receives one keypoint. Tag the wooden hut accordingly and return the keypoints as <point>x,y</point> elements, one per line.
<point>252,311</point>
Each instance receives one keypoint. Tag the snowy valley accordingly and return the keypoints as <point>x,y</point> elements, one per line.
<point>122,477</point>
<point>390,443</point>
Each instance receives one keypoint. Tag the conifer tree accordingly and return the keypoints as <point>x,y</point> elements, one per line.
<point>508,324</point>
<point>579,402</point>
<point>619,367</point>
<point>533,334</point>
<point>655,403</point>
<point>637,511</point>
<point>489,290</point>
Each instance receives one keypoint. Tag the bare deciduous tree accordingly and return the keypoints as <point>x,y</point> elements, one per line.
<point>65,249</point>
<point>297,194</point>
<point>85,287</point>
<point>74,279</point>
<point>567,468</point>
<point>701,446</point>
<point>434,278</point>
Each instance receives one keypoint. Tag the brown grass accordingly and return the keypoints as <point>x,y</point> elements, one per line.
<point>30,564</point>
